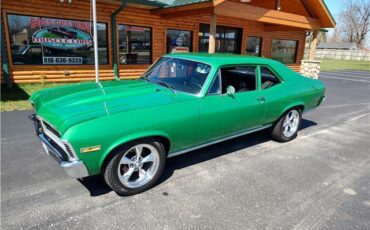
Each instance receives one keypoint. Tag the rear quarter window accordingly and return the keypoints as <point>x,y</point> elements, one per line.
<point>268,78</point>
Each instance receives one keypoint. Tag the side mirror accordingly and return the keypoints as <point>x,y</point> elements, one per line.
<point>230,90</point>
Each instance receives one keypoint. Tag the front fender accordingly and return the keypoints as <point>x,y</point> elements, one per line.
<point>129,138</point>
<point>107,142</point>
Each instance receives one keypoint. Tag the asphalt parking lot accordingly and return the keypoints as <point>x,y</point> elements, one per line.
<point>321,180</point>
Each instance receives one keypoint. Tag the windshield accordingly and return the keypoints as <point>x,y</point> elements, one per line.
<point>179,74</point>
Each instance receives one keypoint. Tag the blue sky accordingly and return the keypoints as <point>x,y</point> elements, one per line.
<point>334,6</point>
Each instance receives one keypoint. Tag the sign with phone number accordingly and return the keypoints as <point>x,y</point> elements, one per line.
<point>62,60</point>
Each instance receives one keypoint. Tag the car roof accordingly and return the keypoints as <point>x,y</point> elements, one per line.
<point>222,59</point>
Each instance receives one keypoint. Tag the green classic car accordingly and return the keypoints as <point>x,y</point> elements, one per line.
<point>126,129</point>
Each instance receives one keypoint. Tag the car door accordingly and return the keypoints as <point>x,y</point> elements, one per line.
<point>273,89</point>
<point>222,115</point>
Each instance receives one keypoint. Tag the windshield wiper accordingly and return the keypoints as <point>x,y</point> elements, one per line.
<point>167,85</point>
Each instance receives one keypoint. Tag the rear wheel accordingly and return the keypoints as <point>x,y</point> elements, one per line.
<point>135,167</point>
<point>286,128</point>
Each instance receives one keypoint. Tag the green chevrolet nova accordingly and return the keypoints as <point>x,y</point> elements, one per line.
<point>126,129</point>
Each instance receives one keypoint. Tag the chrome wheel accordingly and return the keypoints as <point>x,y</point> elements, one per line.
<point>138,165</point>
<point>291,123</point>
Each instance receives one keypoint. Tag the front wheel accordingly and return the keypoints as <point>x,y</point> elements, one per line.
<point>135,167</point>
<point>286,128</point>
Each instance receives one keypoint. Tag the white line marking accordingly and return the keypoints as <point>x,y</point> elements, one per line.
<point>359,117</point>
<point>343,105</point>
<point>346,79</point>
<point>345,75</point>
<point>351,71</point>
<point>365,73</point>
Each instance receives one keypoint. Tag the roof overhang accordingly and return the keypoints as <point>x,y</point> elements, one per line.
<point>322,19</point>
<point>253,13</point>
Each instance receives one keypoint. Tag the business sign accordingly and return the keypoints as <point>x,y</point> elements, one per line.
<point>60,33</point>
<point>62,60</point>
<point>62,38</point>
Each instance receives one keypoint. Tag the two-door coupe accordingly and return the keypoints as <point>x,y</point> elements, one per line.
<point>126,129</point>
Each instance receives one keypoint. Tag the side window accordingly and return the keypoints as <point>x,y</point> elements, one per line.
<point>268,78</point>
<point>242,78</point>
<point>216,85</point>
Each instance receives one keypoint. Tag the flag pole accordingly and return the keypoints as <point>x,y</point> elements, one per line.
<point>95,30</point>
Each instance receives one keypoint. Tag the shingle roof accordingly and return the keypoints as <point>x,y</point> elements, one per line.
<point>337,45</point>
<point>172,3</point>
<point>166,3</point>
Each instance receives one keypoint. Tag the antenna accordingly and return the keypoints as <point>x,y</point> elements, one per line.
<point>95,29</point>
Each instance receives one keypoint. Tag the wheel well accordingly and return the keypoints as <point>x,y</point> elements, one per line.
<point>300,107</point>
<point>163,140</point>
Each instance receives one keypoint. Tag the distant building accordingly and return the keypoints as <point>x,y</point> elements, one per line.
<point>337,46</point>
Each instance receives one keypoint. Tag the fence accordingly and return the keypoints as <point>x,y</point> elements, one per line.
<point>357,55</point>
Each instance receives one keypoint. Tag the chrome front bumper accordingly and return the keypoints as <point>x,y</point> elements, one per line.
<point>75,168</point>
<point>322,100</point>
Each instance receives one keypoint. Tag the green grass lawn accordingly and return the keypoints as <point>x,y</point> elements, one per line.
<point>15,98</point>
<point>330,65</point>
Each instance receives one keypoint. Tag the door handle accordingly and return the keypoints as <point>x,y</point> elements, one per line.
<point>261,98</point>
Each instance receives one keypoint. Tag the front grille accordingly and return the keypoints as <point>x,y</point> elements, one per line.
<point>51,129</point>
<point>38,126</point>
<point>54,138</point>
<point>69,151</point>
<point>58,148</point>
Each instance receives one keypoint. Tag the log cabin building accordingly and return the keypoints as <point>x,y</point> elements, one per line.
<point>51,40</point>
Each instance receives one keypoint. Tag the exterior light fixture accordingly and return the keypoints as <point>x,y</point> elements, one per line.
<point>62,1</point>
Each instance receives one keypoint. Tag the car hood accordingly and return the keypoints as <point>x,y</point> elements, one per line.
<point>66,106</point>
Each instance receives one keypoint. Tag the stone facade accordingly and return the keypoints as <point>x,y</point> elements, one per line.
<point>310,68</point>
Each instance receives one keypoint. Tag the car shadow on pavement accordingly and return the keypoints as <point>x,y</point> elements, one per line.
<point>96,185</point>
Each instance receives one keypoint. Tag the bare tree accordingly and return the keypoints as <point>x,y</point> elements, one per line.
<point>355,21</point>
<point>322,37</point>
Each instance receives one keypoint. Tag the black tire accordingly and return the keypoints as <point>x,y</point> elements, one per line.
<point>278,130</point>
<point>110,172</point>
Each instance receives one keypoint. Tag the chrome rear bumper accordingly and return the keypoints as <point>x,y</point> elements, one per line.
<point>75,168</point>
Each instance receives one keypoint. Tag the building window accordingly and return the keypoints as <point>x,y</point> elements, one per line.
<point>135,44</point>
<point>179,41</point>
<point>284,51</point>
<point>228,40</point>
<point>254,46</point>
<point>54,41</point>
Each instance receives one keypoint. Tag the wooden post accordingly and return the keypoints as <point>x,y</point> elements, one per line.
<point>312,52</point>
<point>212,34</point>
<point>277,5</point>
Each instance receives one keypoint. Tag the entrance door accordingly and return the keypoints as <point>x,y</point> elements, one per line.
<point>228,39</point>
